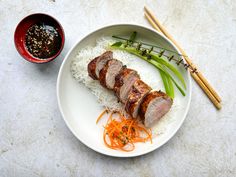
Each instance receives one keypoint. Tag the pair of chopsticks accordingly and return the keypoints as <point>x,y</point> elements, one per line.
<point>197,75</point>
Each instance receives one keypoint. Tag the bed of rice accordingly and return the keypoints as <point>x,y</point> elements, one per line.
<point>103,95</point>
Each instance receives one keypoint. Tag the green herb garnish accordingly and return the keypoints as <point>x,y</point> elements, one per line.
<point>155,58</point>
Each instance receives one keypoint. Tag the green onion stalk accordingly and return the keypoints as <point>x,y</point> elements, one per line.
<point>165,68</point>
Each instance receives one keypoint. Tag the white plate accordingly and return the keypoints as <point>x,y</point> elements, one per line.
<point>80,108</point>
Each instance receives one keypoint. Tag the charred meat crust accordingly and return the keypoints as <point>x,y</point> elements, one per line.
<point>119,79</point>
<point>138,91</point>
<point>92,68</point>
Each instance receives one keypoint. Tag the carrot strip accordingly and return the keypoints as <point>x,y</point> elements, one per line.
<point>130,127</point>
<point>121,133</point>
<point>101,115</point>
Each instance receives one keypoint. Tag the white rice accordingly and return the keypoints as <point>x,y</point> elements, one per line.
<point>105,97</point>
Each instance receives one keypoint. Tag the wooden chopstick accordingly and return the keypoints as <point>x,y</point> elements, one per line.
<point>165,32</point>
<point>152,23</point>
<point>198,77</point>
<point>198,80</point>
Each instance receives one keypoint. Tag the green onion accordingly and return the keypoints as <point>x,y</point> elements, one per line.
<point>164,67</point>
<point>167,84</point>
<point>169,66</point>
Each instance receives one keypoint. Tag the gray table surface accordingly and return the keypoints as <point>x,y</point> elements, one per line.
<point>34,140</point>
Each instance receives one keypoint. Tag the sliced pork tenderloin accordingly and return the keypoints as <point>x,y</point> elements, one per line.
<point>135,97</point>
<point>109,72</point>
<point>95,66</point>
<point>123,83</point>
<point>154,106</point>
<point>92,68</point>
<point>130,90</point>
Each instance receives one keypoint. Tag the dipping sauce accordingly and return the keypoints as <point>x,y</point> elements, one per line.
<point>43,41</point>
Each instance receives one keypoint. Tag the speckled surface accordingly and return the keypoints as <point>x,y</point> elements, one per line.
<point>34,138</point>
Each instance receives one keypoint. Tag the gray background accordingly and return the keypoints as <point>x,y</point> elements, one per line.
<point>34,140</point>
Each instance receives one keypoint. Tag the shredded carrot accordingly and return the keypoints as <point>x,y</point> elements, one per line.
<point>121,133</point>
<point>101,115</point>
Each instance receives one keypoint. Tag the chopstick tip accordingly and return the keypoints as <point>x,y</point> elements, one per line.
<point>145,8</point>
<point>218,106</point>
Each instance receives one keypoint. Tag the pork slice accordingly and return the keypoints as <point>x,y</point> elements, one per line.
<point>97,64</point>
<point>102,60</point>
<point>92,68</point>
<point>154,106</point>
<point>123,83</point>
<point>109,72</point>
<point>138,91</point>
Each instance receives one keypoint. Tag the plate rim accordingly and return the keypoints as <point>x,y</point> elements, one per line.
<point>59,100</point>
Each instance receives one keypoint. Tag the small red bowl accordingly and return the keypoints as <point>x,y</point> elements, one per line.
<point>21,30</point>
